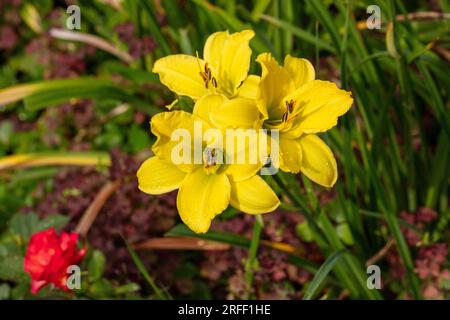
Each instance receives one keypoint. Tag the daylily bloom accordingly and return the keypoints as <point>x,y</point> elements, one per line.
<point>292,101</point>
<point>223,69</point>
<point>206,188</point>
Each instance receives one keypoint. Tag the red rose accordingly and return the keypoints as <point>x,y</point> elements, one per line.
<point>48,257</point>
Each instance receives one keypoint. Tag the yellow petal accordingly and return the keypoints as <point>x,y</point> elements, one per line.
<point>201,198</point>
<point>208,104</point>
<point>275,84</point>
<point>156,176</point>
<point>246,152</point>
<point>180,73</point>
<point>318,162</point>
<point>213,49</point>
<point>300,70</point>
<point>230,55</point>
<point>290,155</point>
<point>163,126</point>
<point>240,172</point>
<point>237,113</point>
<point>253,196</point>
<point>318,105</point>
<point>249,88</point>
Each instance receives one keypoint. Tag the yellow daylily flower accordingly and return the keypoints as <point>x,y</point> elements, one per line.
<point>206,189</point>
<point>292,101</point>
<point>223,69</point>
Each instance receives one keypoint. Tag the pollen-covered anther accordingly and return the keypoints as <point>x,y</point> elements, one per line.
<point>207,76</point>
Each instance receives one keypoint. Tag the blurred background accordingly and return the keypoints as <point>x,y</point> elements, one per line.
<point>75,106</point>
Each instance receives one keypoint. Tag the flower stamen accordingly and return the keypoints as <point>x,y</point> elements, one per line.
<point>206,74</point>
<point>289,109</point>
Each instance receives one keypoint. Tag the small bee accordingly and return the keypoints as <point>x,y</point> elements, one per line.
<point>210,157</point>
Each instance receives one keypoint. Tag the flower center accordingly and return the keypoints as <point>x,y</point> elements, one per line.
<point>211,160</point>
<point>287,117</point>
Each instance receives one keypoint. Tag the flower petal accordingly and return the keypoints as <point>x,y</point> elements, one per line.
<point>247,151</point>
<point>275,84</point>
<point>201,198</point>
<point>290,155</point>
<point>237,113</point>
<point>157,176</point>
<point>213,49</point>
<point>300,70</point>
<point>319,104</point>
<point>180,73</point>
<point>240,172</point>
<point>249,88</point>
<point>253,196</point>
<point>207,104</point>
<point>163,126</point>
<point>318,162</point>
<point>230,55</point>
<point>37,285</point>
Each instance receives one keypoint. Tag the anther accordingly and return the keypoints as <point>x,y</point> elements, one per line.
<point>290,106</point>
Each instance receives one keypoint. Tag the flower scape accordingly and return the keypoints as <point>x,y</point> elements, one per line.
<point>209,149</point>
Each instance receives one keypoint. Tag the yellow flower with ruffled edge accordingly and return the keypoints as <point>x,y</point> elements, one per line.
<point>206,189</point>
<point>223,69</point>
<point>300,106</point>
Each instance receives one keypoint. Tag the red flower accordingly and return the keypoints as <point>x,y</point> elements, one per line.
<point>48,257</point>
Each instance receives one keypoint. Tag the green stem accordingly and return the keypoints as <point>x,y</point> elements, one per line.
<point>251,261</point>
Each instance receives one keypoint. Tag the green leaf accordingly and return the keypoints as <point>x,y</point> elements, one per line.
<point>49,93</point>
<point>138,139</point>
<point>182,230</point>
<point>6,131</point>
<point>321,274</point>
<point>53,221</point>
<point>102,289</point>
<point>304,232</point>
<point>24,225</point>
<point>127,288</point>
<point>96,266</point>
<point>344,233</point>
<point>155,28</point>
<point>299,33</point>
<point>11,269</point>
<point>138,76</point>
<point>185,103</point>
<point>140,265</point>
